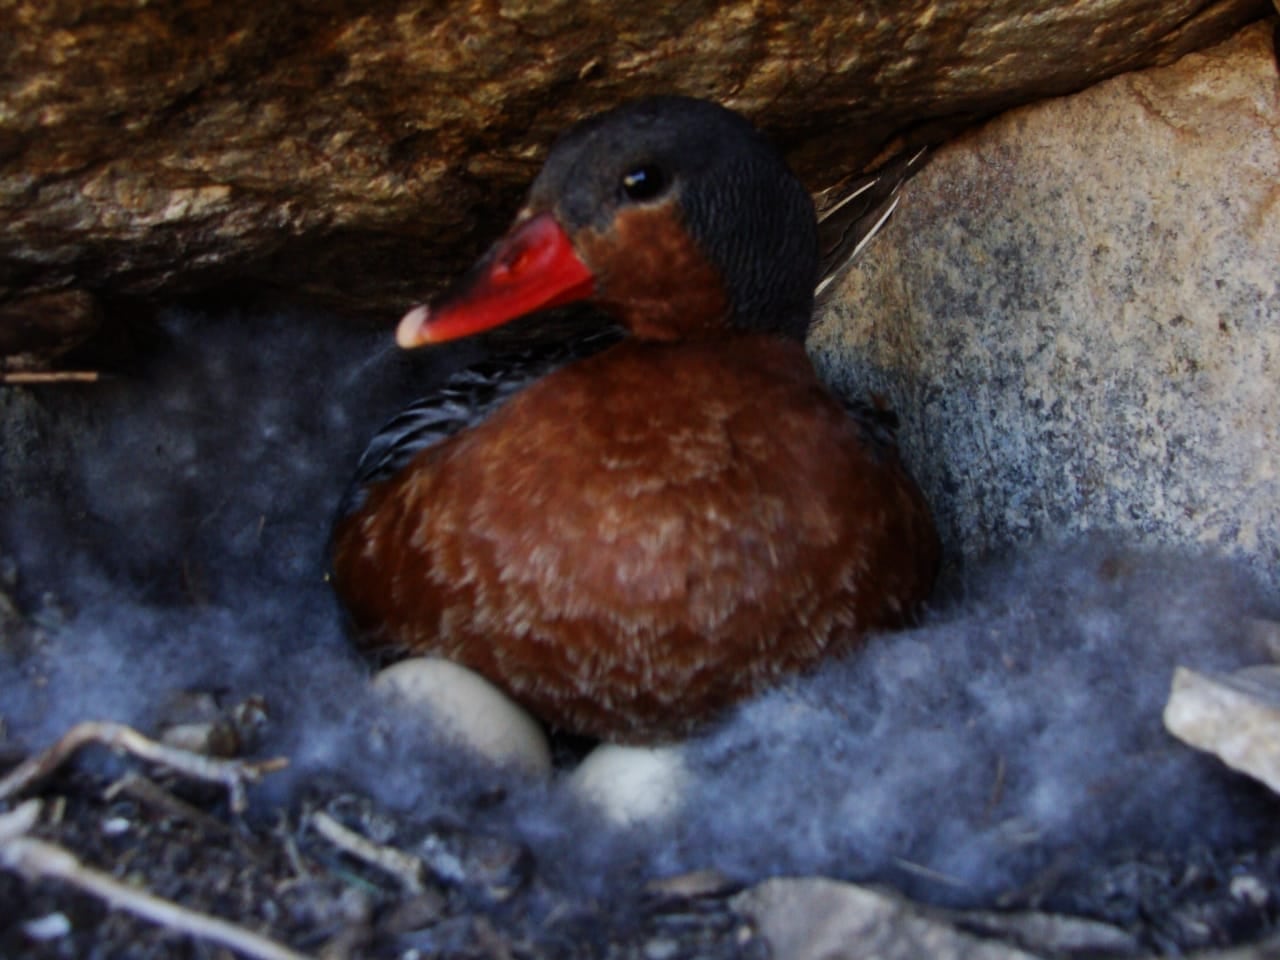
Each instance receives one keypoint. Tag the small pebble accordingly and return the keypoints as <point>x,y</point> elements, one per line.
<point>115,826</point>
<point>1250,889</point>
<point>49,927</point>
<point>661,949</point>
<point>471,709</point>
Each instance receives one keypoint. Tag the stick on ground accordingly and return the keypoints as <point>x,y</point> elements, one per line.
<point>38,860</point>
<point>39,377</point>
<point>404,866</point>
<point>233,774</point>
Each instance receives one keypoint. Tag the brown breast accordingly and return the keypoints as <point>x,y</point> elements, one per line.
<point>642,538</point>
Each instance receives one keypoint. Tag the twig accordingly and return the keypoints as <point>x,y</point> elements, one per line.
<point>39,860</point>
<point>920,870</point>
<point>233,774</point>
<point>404,866</point>
<point>33,377</point>
<point>148,792</point>
<point>18,822</point>
<point>300,870</point>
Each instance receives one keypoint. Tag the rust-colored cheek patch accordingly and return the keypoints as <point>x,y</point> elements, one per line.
<point>652,276</point>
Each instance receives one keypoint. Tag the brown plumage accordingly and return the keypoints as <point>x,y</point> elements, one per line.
<point>644,536</point>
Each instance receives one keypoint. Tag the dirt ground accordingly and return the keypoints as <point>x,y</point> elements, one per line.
<point>279,874</point>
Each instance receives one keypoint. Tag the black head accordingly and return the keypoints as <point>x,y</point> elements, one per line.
<point>714,176</point>
<point>673,214</point>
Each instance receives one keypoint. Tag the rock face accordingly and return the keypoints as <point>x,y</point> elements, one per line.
<point>358,154</point>
<point>811,918</point>
<point>1076,311</point>
<point>817,919</point>
<point>1235,717</point>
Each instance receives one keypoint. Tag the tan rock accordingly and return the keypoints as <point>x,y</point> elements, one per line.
<point>359,154</point>
<point>1236,718</point>
<point>814,918</point>
<point>1076,312</point>
<point>818,919</point>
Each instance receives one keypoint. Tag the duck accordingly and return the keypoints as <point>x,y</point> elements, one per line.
<point>632,531</point>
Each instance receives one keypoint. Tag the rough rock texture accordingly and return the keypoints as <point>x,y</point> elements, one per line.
<point>812,918</point>
<point>1076,311</point>
<point>358,153</point>
<point>1235,717</point>
<point>817,919</point>
<point>41,327</point>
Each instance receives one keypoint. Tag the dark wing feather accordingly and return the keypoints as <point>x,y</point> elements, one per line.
<point>852,212</point>
<point>465,398</point>
<point>849,215</point>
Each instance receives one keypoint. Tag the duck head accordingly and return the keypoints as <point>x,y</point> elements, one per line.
<point>672,214</point>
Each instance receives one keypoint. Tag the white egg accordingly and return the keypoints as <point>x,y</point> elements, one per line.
<point>632,785</point>
<point>469,708</point>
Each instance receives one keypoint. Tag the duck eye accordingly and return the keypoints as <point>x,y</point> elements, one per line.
<point>644,182</point>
